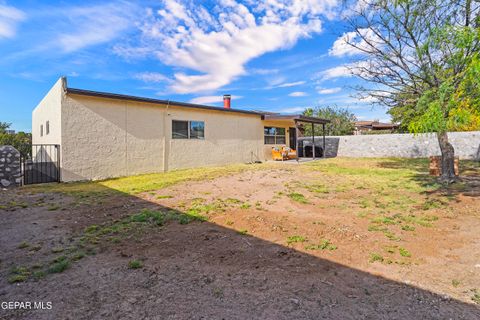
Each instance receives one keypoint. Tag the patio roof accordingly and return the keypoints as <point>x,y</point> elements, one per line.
<point>295,117</point>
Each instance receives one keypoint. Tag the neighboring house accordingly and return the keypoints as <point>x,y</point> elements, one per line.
<point>104,135</point>
<point>364,126</point>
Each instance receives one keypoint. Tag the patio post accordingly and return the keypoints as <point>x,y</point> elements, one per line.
<point>313,140</point>
<point>296,138</point>
<point>323,132</point>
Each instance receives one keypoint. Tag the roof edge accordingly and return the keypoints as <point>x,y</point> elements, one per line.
<point>108,95</point>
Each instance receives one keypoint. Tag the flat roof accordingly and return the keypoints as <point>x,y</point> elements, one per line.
<point>295,117</point>
<point>154,101</point>
<point>263,115</point>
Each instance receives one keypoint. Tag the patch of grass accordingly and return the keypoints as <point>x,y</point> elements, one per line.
<point>78,256</point>
<point>407,227</point>
<point>242,231</point>
<point>295,239</point>
<point>142,183</point>
<point>433,204</point>
<point>23,245</point>
<point>404,252</point>
<point>245,205</point>
<point>423,220</point>
<point>164,197</point>
<point>455,283</point>
<point>384,220</point>
<point>232,201</point>
<point>18,274</point>
<point>59,265</point>
<point>375,228</point>
<point>390,235</point>
<point>476,297</point>
<point>318,188</point>
<point>135,264</point>
<point>324,245</point>
<point>149,216</point>
<point>39,274</point>
<point>375,257</point>
<point>298,197</point>
<point>53,207</point>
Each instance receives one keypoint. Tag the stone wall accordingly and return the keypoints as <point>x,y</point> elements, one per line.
<point>466,144</point>
<point>10,167</point>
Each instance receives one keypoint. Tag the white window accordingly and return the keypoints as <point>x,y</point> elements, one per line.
<point>274,135</point>
<point>188,129</point>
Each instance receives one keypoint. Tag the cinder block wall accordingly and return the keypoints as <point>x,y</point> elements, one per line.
<point>466,144</point>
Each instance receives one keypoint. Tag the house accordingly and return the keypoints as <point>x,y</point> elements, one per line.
<point>102,135</point>
<point>361,127</point>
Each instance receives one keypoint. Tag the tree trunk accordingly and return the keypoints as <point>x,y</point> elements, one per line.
<point>448,158</point>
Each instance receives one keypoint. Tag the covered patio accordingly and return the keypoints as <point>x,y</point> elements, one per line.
<point>300,125</point>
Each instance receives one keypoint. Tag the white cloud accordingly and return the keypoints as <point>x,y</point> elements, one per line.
<point>350,43</point>
<point>211,99</point>
<point>335,72</point>
<point>345,70</point>
<point>217,46</point>
<point>290,84</point>
<point>329,90</point>
<point>298,94</point>
<point>9,19</point>
<point>151,77</point>
<point>91,25</point>
<point>263,72</point>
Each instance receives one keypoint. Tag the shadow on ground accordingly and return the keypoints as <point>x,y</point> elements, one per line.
<point>191,270</point>
<point>468,185</point>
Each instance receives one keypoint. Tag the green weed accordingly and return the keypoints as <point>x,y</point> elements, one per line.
<point>375,257</point>
<point>295,239</point>
<point>135,264</point>
<point>324,245</point>
<point>298,197</point>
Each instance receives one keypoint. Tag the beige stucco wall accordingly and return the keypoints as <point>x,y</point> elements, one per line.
<point>105,138</point>
<point>267,149</point>
<point>229,138</point>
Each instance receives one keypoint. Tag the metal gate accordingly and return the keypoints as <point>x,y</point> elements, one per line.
<point>43,165</point>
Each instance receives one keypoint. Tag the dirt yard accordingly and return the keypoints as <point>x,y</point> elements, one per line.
<point>331,239</point>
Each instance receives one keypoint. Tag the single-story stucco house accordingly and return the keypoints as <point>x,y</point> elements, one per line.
<point>104,135</point>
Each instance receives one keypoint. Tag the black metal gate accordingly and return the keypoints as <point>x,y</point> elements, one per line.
<point>43,165</point>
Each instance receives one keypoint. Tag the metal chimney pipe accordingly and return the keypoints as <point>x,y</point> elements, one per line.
<point>226,101</point>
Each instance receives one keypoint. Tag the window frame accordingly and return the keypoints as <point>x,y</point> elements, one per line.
<point>275,136</point>
<point>189,130</point>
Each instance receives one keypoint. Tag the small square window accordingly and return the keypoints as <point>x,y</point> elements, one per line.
<point>197,130</point>
<point>47,127</point>
<point>179,129</point>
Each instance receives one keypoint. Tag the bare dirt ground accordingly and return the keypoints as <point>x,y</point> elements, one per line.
<point>337,239</point>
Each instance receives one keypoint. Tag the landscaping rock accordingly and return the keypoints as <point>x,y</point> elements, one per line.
<point>10,167</point>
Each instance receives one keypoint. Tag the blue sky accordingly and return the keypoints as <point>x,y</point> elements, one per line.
<point>274,55</point>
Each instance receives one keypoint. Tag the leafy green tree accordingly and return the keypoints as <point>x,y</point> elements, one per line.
<point>342,121</point>
<point>21,141</point>
<point>420,58</point>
